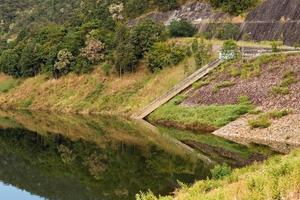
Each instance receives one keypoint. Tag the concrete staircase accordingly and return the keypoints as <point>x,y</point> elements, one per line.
<point>177,89</point>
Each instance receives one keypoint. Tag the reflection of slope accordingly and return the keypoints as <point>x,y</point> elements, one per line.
<point>170,144</point>
<point>98,129</point>
<point>36,163</point>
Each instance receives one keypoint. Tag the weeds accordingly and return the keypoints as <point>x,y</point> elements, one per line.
<point>224,84</point>
<point>264,120</point>
<point>284,86</point>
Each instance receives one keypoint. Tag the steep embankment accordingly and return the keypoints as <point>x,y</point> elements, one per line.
<point>91,93</point>
<point>274,20</point>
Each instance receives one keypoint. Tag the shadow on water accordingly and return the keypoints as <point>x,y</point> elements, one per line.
<point>71,157</point>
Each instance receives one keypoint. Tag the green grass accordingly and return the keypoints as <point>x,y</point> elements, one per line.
<point>202,116</point>
<point>264,120</point>
<point>224,84</point>
<point>276,178</point>
<point>7,85</point>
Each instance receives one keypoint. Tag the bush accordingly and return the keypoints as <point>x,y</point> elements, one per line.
<point>165,5</point>
<point>234,7</point>
<point>228,31</point>
<point>260,122</point>
<point>82,66</point>
<point>182,28</point>
<point>163,55</point>
<point>220,171</point>
<point>230,49</point>
<point>134,8</point>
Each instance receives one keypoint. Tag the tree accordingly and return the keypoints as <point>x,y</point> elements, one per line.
<point>182,28</point>
<point>202,52</point>
<point>93,51</point>
<point>9,63</point>
<point>145,34</point>
<point>125,58</point>
<point>62,66</point>
<point>162,55</point>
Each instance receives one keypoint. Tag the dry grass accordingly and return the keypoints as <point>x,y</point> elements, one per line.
<point>95,92</point>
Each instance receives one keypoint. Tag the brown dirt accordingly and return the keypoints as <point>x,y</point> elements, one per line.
<point>258,89</point>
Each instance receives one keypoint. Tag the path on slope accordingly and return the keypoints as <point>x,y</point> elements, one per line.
<point>178,88</point>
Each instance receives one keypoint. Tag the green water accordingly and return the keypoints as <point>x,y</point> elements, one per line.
<point>67,157</point>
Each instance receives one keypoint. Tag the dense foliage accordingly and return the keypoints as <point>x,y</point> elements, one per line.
<point>163,55</point>
<point>58,37</point>
<point>182,28</point>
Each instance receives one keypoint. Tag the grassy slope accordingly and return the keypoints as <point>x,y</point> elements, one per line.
<point>93,92</point>
<point>204,118</point>
<point>277,178</point>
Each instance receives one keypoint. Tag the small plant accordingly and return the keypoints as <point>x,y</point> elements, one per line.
<point>200,84</point>
<point>264,120</point>
<point>260,122</point>
<point>220,171</point>
<point>223,84</point>
<point>283,88</point>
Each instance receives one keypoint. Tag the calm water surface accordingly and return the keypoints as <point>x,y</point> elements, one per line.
<point>59,157</point>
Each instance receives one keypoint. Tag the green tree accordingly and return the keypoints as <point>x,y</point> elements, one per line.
<point>202,52</point>
<point>145,34</point>
<point>182,28</point>
<point>9,63</point>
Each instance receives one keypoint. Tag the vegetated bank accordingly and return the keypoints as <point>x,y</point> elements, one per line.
<point>276,178</point>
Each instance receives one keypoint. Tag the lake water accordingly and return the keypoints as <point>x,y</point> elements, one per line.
<point>70,157</point>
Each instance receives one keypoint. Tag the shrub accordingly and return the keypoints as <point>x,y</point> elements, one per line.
<point>220,171</point>
<point>228,31</point>
<point>182,28</point>
<point>163,55</point>
<point>165,5</point>
<point>233,7</point>
<point>134,8</point>
<point>82,65</point>
<point>260,122</point>
<point>230,49</point>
